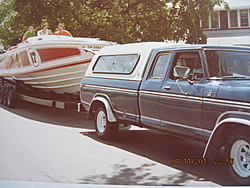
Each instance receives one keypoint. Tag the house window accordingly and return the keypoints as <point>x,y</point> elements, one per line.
<point>239,18</point>
<point>212,22</point>
<point>215,20</point>
<point>233,18</point>
<point>244,18</point>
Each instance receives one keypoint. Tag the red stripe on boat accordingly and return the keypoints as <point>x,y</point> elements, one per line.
<point>57,53</point>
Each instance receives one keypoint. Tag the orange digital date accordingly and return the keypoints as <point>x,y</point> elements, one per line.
<point>201,161</point>
<point>190,161</point>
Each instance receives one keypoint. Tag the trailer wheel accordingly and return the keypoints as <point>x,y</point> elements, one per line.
<point>5,95</point>
<point>238,148</point>
<point>11,99</point>
<point>2,94</point>
<point>105,130</point>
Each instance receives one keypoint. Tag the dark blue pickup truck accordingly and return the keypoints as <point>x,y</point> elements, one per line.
<point>198,92</point>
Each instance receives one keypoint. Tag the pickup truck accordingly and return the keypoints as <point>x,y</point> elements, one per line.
<point>197,92</point>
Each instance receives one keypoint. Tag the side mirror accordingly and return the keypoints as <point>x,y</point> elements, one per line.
<point>181,72</point>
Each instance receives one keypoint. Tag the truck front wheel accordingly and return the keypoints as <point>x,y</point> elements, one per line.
<point>238,148</point>
<point>105,130</point>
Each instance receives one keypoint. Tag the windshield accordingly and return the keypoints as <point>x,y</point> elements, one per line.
<point>228,63</point>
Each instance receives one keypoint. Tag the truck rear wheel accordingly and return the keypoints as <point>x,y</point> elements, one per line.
<point>105,130</point>
<point>238,148</point>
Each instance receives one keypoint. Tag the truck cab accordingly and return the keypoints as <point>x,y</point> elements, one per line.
<point>197,92</point>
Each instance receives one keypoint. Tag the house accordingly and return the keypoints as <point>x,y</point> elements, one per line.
<point>229,27</point>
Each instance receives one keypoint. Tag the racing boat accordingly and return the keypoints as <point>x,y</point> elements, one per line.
<point>51,63</point>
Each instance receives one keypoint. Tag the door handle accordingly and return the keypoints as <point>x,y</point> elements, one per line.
<point>210,93</point>
<point>167,87</point>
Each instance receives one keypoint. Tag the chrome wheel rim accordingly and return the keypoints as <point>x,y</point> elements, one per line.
<point>101,121</point>
<point>240,152</point>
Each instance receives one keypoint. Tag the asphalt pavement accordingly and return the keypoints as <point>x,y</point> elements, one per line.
<point>42,145</point>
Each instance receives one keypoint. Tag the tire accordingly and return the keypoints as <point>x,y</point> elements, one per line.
<point>2,94</point>
<point>5,95</point>
<point>11,100</point>
<point>238,148</point>
<point>105,130</point>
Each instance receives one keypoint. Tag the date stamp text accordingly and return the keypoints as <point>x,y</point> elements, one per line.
<point>202,161</point>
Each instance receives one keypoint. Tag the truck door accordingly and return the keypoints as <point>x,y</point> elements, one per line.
<point>149,92</point>
<point>180,100</point>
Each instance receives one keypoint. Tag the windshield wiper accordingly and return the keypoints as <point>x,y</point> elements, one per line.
<point>230,78</point>
<point>235,77</point>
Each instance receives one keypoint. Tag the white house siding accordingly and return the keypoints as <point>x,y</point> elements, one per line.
<point>226,35</point>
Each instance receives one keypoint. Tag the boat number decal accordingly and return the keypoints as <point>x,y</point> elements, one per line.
<point>93,47</point>
<point>34,57</point>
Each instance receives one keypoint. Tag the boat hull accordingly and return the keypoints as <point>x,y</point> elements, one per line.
<point>50,65</point>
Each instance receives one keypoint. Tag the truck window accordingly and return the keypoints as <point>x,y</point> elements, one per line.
<point>191,60</point>
<point>121,64</point>
<point>160,66</point>
<point>227,63</point>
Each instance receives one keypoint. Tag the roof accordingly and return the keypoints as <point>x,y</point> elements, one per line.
<point>133,47</point>
<point>146,48</point>
<point>143,49</point>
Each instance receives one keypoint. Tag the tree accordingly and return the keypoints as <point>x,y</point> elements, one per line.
<point>186,15</point>
<point>122,21</point>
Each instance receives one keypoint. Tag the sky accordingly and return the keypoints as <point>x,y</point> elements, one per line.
<point>236,4</point>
